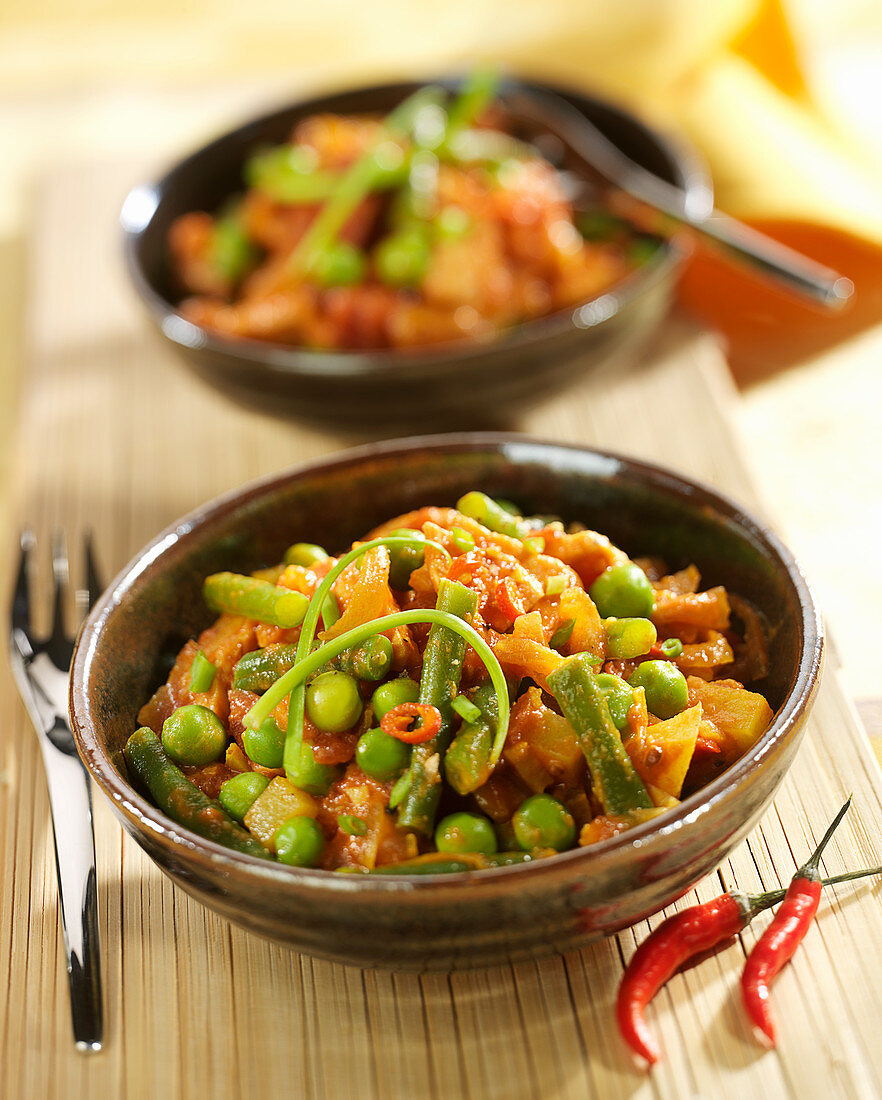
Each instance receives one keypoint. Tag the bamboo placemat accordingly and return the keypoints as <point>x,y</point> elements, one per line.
<point>114,436</point>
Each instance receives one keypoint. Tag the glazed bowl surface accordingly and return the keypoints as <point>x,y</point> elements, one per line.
<point>458,384</point>
<point>459,920</point>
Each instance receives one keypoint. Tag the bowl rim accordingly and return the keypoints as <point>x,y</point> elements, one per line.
<point>150,819</point>
<point>144,199</point>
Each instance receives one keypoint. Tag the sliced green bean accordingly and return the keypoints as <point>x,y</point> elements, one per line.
<point>202,673</point>
<point>236,594</point>
<point>618,787</point>
<point>467,761</point>
<point>439,682</point>
<point>182,800</point>
<point>493,516</point>
<point>260,669</point>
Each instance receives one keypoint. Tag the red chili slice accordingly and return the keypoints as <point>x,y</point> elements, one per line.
<point>397,720</point>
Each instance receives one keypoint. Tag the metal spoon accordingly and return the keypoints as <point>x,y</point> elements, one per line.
<point>639,193</point>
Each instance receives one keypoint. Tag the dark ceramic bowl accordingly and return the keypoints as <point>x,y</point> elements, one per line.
<point>460,383</point>
<point>444,921</point>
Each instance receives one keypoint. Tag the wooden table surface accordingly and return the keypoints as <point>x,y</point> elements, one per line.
<point>114,436</point>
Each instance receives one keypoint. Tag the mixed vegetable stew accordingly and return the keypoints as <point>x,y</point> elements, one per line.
<point>435,223</point>
<point>466,688</point>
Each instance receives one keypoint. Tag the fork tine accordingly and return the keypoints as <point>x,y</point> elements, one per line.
<point>60,574</point>
<point>94,587</point>
<point>21,603</point>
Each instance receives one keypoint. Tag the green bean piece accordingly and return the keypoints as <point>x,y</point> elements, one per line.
<point>333,701</point>
<point>617,786</point>
<point>671,648</point>
<point>619,697</point>
<point>399,791</point>
<point>260,669</point>
<point>542,822</point>
<point>290,174</point>
<point>305,772</point>
<point>369,661</point>
<point>562,635</point>
<point>232,253</point>
<point>330,611</point>
<point>474,97</point>
<point>665,687</point>
<point>182,800</point>
<point>439,683</point>
<point>358,181</point>
<point>464,832</point>
<point>435,863</point>
<point>463,541</point>
<point>239,793</point>
<point>201,674</point>
<point>642,250</point>
<point>467,761</point>
<point>601,225</point>
<point>510,859</point>
<point>351,825</point>
<point>466,709</point>
<point>392,694</point>
<point>623,591</point>
<point>492,515</point>
<point>235,594</point>
<point>194,735</point>
<point>300,842</point>
<point>306,554</point>
<point>626,638</point>
<point>381,756</point>
<point>403,560</point>
<point>265,745</point>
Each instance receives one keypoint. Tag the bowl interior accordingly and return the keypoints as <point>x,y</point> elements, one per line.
<point>137,628</point>
<point>207,178</point>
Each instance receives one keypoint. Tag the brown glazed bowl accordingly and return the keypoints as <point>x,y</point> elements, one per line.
<point>478,918</point>
<point>461,383</point>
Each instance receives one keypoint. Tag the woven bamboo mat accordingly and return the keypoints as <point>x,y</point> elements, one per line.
<point>115,437</point>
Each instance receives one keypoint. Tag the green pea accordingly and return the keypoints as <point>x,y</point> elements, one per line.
<point>404,559</point>
<point>619,697</point>
<point>238,795</point>
<point>308,775</point>
<point>626,638</point>
<point>402,258</point>
<point>465,833</point>
<point>543,822</point>
<point>305,553</point>
<point>340,264</point>
<point>381,756</point>
<point>393,692</point>
<point>665,687</point>
<point>265,745</point>
<point>623,591</point>
<point>194,735</point>
<point>333,701</point>
<point>300,842</point>
<point>453,223</point>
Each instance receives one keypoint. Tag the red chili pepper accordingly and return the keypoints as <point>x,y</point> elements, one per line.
<point>397,720</point>
<point>678,939</point>
<point>777,944</point>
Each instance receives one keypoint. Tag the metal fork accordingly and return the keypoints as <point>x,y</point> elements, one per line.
<point>41,669</point>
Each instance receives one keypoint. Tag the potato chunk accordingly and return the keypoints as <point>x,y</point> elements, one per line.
<point>280,801</point>
<point>739,714</point>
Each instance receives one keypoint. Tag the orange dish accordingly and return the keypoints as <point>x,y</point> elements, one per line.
<point>434,224</point>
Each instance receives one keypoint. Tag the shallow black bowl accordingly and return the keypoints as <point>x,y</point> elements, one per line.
<point>461,383</point>
<point>445,921</point>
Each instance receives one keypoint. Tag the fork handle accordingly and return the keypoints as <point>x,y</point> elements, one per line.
<point>70,800</point>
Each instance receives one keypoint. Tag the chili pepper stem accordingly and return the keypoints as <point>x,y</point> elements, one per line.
<point>809,869</point>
